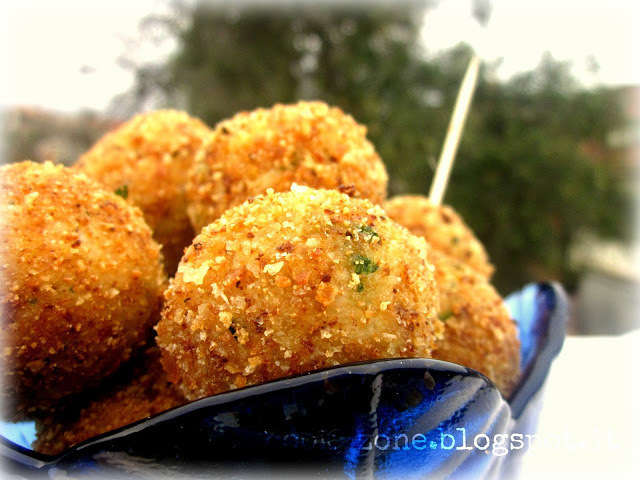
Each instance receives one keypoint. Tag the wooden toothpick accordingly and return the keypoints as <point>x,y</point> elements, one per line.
<point>454,132</point>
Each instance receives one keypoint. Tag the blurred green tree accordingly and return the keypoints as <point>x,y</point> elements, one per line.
<point>522,179</point>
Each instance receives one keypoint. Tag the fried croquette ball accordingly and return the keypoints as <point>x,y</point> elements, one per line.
<point>479,332</point>
<point>144,392</point>
<point>146,160</point>
<point>308,143</point>
<point>292,282</point>
<point>81,283</point>
<point>443,229</point>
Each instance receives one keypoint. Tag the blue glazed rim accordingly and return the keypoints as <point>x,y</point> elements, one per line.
<point>542,312</point>
<point>453,398</point>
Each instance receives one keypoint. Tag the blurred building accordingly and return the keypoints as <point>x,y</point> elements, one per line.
<point>30,133</point>
<point>608,299</point>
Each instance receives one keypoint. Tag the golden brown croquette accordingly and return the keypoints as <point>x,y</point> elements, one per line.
<point>479,333</point>
<point>81,283</point>
<point>293,282</point>
<point>443,229</point>
<point>143,392</point>
<point>308,143</point>
<point>146,160</point>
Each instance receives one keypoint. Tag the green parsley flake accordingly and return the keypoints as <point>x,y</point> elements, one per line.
<point>369,232</point>
<point>122,191</point>
<point>363,265</point>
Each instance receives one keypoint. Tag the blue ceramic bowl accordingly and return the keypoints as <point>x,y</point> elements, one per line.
<point>411,418</point>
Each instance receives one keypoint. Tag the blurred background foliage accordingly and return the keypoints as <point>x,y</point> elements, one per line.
<point>533,171</point>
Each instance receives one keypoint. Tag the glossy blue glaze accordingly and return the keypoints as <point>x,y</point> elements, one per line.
<point>411,418</point>
<point>542,311</point>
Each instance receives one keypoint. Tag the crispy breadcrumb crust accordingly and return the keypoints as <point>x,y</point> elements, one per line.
<point>292,282</point>
<point>81,283</point>
<point>146,392</point>
<point>479,332</point>
<point>443,229</point>
<point>146,160</point>
<point>308,143</point>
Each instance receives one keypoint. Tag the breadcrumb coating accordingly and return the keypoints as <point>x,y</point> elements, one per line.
<point>81,283</point>
<point>146,392</point>
<point>146,160</point>
<point>307,143</point>
<point>443,229</point>
<point>479,332</point>
<point>293,282</point>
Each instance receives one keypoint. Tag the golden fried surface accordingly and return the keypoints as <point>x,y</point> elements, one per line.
<point>307,143</point>
<point>292,282</point>
<point>479,333</point>
<point>443,229</point>
<point>146,160</point>
<point>81,282</point>
<point>146,393</point>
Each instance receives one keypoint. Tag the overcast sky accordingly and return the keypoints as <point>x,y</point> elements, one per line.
<point>62,55</point>
<point>520,31</point>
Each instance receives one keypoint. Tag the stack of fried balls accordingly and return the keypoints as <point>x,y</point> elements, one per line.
<point>175,262</point>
